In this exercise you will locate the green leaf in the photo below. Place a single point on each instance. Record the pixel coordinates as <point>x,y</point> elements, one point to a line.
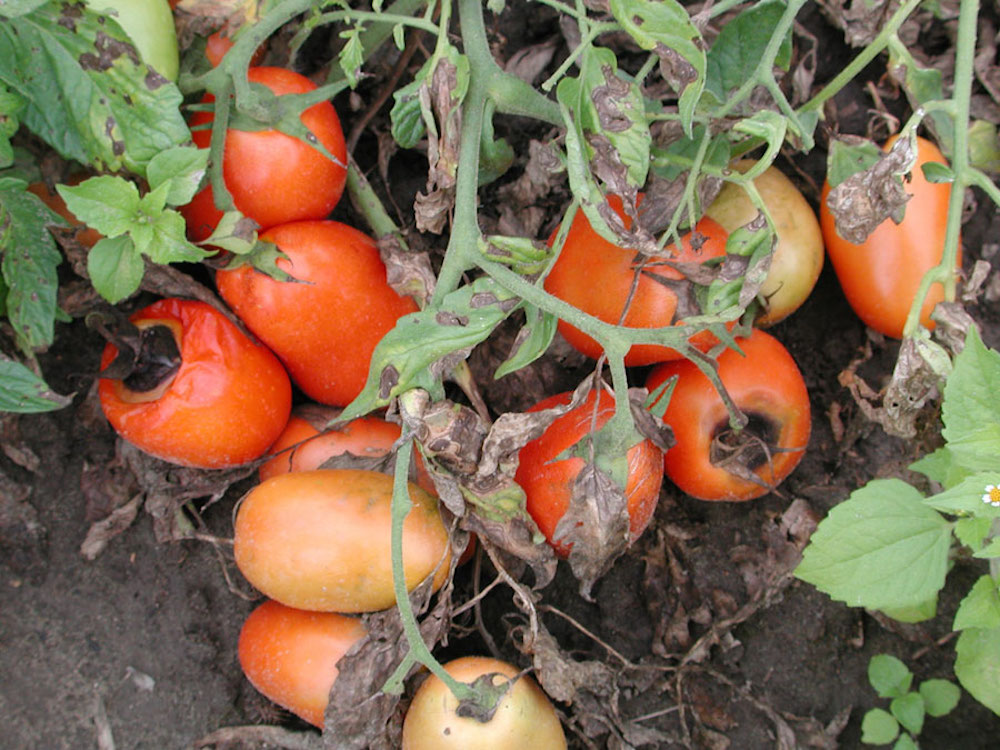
<point>665,28</point>
<point>981,606</point>
<point>28,262</point>
<point>889,676</point>
<point>905,742</point>
<point>977,665</point>
<point>406,118</point>
<point>183,168</point>
<point>845,160</point>
<point>909,711</point>
<point>940,696</point>
<point>878,727</point>
<point>937,173</point>
<point>881,548</point>
<point>15,8</point>
<point>495,155</point>
<point>115,268</point>
<point>921,86</point>
<point>972,531</point>
<point>971,411</point>
<point>984,146</point>
<point>991,550</point>
<point>108,204</point>
<point>23,392</point>
<point>916,613</point>
<point>532,340</point>
<point>168,243</point>
<point>967,496</point>
<point>352,54</point>
<point>153,202</point>
<point>941,466</point>
<point>88,94</point>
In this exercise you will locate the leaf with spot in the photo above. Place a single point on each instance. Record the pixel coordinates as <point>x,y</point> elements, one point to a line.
<point>88,94</point>
<point>23,392</point>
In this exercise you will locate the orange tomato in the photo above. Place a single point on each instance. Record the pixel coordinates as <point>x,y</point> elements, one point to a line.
<point>320,540</point>
<point>291,655</point>
<point>880,277</point>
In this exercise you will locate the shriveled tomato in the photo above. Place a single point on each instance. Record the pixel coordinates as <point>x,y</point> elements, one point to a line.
<point>291,655</point>
<point>880,276</point>
<point>84,235</point>
<point>710,461</point>
<point>320,540</point>
<point>524,717</point>
<point>798,256</point>
<point>548,482</point>
<point>326,328</point>
<point>274,178</point>
<point>597,277</point>
<point>202,393</point>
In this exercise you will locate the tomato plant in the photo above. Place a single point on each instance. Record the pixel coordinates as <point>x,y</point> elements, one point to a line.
<point>274,178</point>
<point>84,235</point>
<point>290,655</point>
<point>200,393</point>
<point>587,258</point>
<point>548,480</point>
<point>325,328</point>
<point>798,255</point>
<point>150,24</point>
<point>524,717</point>
<point>710,460</point>
<point>880,277</point>
<point>320,540</point>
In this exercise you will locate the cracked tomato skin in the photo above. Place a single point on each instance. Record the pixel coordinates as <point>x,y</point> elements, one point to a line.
<point>596,277</point>
<point>320,540</point>
<point>548,483</point>
<point>524,718</point>
<point>291,655</point>
<point>226,404</point>
<point>274,178</point>
<point>880,276</point>
<point>767,387</point>
<point>324,330</point>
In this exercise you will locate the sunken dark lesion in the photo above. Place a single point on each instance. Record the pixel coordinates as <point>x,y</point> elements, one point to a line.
<point>158,360</point>
<point>752,447</point>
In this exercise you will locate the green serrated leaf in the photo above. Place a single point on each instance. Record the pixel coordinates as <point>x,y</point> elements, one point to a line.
<point>916,613</point>
<point>878,727</point>
<point>235,233</point>
<point>971,495</point>
<point>115,268</point>
<point>905,742</point>
<point>921,86</point>
<point>937,173</point>
<point>981,606</point>
<point>972,531</point>
<point>153,202</point>
<point>108,204</point>
<point>532,341</point>
<point>406,118</point>
<point>977,665</point>
<point>352,54</point>
<point>23,392</point>
<point>889,676</point>
<point>941,466</point>
<point>971,411</point>
<point>991,550</point>
<point>984,146</point>
<point>881,548</point>
<point>909,711</point>
<point>169,244</point>
<point>940,696</point>
<point>845,160</point>
<point>183,168</point>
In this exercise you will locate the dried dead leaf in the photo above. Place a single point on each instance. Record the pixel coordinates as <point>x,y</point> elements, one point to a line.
<point>860,20</point>
<point>408,273</point>
<point>102,532</point>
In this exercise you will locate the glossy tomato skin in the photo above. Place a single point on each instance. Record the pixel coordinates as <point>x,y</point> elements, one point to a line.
<point>324,330</point>
<point>320,540</point>
<point>596,277</point>
<point>219,43</point>
<point>274,178</point>
<point>548,483</point>
<point>880,277</point>
<point>524,719</point>
<point>798,256</point>
<point>226,404</point>
<point>767,387</point>
<point>291,655</point>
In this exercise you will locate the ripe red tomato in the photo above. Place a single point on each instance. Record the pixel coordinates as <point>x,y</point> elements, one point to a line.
<point>291,655</point>
<point>219,43</point>
<point>596,277</point>
<point>274,178</point>
<point>524,717</point>
<point>224,405</point>
<point>880,277</point>
<point>325,329</point>
<point>320,540</point>
<point>548,482</point>
<point>768,388</point>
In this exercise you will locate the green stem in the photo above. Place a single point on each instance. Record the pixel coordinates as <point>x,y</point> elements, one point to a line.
<point>367,201</point>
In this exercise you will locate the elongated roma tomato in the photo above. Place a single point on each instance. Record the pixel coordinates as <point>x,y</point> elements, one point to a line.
<point>320,540</point>
<point>798,256</point>
<point>201,393</point>
<point>325,328</point>
<point>548,481</point>
<point>274,178</point>
<point>291,655</point>
<point>524,718</point>
<point>880,276</point>
<point>597,277</point>
<point>710,461</point>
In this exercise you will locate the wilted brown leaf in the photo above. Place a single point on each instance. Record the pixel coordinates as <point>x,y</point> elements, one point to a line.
<point>861,20</point>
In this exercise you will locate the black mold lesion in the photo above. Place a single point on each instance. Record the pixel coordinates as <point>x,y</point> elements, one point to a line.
<point>108,49</point>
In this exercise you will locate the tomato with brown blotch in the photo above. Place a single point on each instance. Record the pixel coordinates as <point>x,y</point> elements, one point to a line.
<point>201,394</point>
<point>711,461</point>
<point>524,717</point>
<point>548,482</point>
<point>274,178</point>
<point>880,276</point>
<point>798,255</point>
<point>325,328</point>
<point>320,540</point>
<point>291,655</point>
<point>597,277</point>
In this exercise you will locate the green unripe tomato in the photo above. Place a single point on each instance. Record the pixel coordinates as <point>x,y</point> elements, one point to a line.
<point>150,24</point>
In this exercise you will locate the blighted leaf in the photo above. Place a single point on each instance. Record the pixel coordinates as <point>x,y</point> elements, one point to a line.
<point>921,86</point>
<point>408,273</point>
<point>861,20</point>
<point>24,392</point>
<point>532,340</point>
<point>102,532</point>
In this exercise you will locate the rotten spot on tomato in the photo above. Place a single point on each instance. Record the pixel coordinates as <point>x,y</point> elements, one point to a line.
<point>159,359</point>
